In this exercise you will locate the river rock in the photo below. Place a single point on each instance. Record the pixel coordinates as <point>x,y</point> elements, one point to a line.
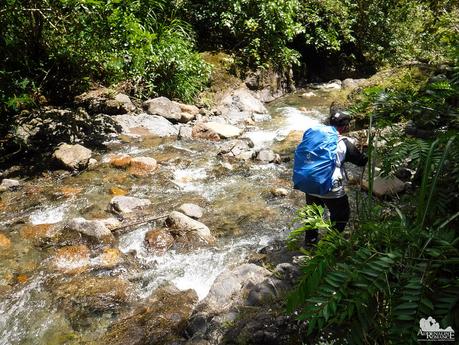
<point>185,132</point>
<point>181,224</point>
<point>161,319</point>
<point>243,100</point>
<point>231,286</point>
<point>121,161</point>
<point>238,149</point>
<point>5,242</point>
<point>109,259</point>
<point>82,296</point>
<point>101,100</point>
<point>201,131</point>
<point>126,204</point>
<point>159,240</point>
<point>188,112</point>
<point>9,184</point>
<point>385,186</point>
<point>39,231</point>
<point>223,130</point>
<point>330,86</point>
<point>280,192</point>
<point>191,210</point>
<point>91,228</point>
<point>71,259</point>
<point>144,163</point>
<point>308,94</point>
<point>145,124</point>
<point>267,156</point>
<point>163,106</point>
<point>350,83</point>
<point>73,157</point>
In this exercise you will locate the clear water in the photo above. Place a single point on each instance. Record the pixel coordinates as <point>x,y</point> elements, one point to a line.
<point>238,208</point>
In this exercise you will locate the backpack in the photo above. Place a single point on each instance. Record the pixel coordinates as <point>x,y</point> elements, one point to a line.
<point>315,160</point>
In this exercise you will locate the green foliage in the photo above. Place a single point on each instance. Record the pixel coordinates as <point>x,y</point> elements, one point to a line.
<point>257,30</point>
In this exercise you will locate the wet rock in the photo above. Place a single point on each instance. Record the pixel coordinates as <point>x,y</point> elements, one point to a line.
<point>109,259</point>
<point>159,240</point>
<point>160,320</point>
<point>238,149</point>
<point>224,131</point>
<point>121,161</point>
<point>83,296</point>
<point>5,242</point>
<point>180,224</point>
<point>185,132</point>
<point>267,291</point>
<point>162,106</point>
<point>191,210</point>
<point>385,186</point>
<point>8,184</point>
<point>330,86</point>
<point>71,259</point>
<point>201,131</point>
<point>145,124</point>
<point>37,232</point>
<point>73,157</point>
<point>142,166</point>
<point>279,192</point>
<point>91,228</point>
<point>231,286</point>
<point>288,144</point>
<point>118,191</point>
<point>261,117</point>
<point>126,204</point>
<point>267,156</point>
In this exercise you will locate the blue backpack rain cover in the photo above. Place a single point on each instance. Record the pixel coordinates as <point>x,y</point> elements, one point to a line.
<point>315,160</point>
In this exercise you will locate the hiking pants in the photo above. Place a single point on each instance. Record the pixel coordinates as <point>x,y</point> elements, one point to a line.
<point>339,213</point>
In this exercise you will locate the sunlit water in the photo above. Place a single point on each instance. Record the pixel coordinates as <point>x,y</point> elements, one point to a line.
<point>239,210</point>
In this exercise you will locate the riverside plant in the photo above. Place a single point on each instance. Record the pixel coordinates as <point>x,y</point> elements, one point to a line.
<point>394,269</point>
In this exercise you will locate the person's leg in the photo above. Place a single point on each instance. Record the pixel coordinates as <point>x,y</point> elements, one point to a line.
<point>339,211</point>
<point>311,236</point>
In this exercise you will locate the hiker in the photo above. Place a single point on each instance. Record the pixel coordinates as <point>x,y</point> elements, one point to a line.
<point>333,196</point>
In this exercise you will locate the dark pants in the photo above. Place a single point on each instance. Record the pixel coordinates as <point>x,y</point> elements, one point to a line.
<point>339,214</point>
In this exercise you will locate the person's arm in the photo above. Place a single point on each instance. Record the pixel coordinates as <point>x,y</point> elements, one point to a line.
<point>353,154</point>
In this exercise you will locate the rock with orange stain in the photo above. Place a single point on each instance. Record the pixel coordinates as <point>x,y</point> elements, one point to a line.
<point>33,232</point>
<point>118,191</point>
<point>110,258</point>
<point>70,191</point>
<point>5,242</point>
<point>22,278</point>
<point>2,206</point>
<point>159,240</point>
<point>121,161</point>
<point>71,259</point>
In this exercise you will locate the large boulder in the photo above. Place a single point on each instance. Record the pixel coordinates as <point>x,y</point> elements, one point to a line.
<point>161,319</point>
<point>230,288</point>
<point>240,105</point>
<point>145,124</point>
<point>163,106</point>
<point>127,204</point>
<point>73,157</point>
<point>182,225</point>
<point>91,228</point>
<point>104,101</point>
<point>82,296</point>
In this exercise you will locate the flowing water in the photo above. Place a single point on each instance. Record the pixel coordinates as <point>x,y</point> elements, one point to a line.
<point>238,208</point>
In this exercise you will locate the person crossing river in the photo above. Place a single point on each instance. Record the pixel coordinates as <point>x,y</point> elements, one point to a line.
<point>319,169</point>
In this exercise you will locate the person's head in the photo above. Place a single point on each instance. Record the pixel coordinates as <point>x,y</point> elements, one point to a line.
<point>340,120</point>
